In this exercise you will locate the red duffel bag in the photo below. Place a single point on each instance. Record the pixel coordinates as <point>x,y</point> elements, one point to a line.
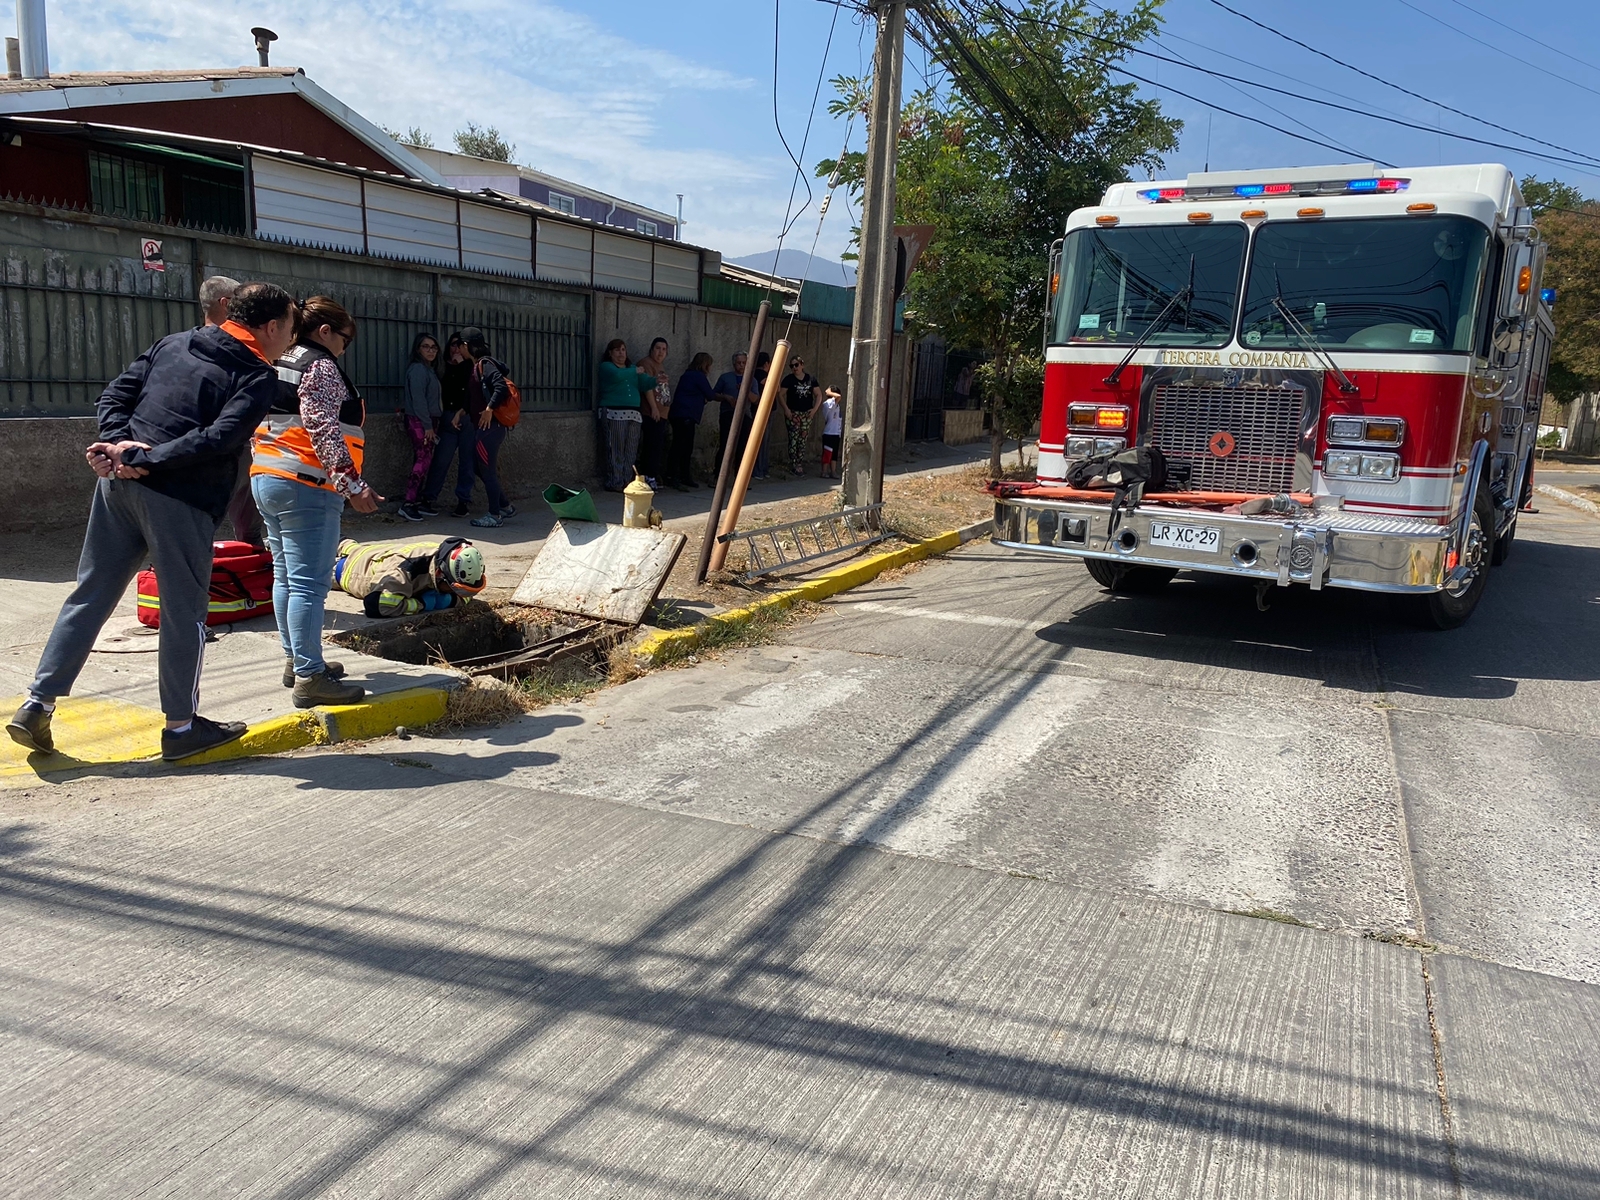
<point>241,586</point>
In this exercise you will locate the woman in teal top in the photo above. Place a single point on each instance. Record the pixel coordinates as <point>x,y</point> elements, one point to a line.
<point>622,388</point>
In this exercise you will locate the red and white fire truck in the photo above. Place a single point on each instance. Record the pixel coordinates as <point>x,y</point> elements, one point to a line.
<point>1342,367</point>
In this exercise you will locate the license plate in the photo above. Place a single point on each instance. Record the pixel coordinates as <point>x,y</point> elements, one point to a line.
<point>1203,538</point>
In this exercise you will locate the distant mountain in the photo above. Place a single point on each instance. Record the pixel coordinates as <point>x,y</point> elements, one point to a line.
<point>797,264</point>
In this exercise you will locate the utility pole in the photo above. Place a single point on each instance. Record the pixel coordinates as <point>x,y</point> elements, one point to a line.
<point>872,328</point>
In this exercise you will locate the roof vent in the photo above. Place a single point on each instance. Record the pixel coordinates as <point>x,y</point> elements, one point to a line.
<point>264,39</point>
<point>13,59</point>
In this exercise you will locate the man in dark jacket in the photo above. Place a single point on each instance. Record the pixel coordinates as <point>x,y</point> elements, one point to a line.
<point>171,426</point>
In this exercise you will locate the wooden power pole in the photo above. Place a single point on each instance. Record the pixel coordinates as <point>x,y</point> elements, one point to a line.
<point>872,328</point>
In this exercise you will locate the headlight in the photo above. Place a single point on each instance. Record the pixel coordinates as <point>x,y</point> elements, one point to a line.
<point>1342,464</point>
<point>1366,431</point>
<point>1080,447</point>
<point>1382,467</point>
<point>1109,445</point>
<point>1352,464</point>
<point>1345,429</point>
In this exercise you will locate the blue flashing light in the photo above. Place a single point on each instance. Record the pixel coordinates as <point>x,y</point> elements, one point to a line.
<point>1249,189</point>
<point>1152,194</point>
<point>1548,295</point>
<point>1363,185</point>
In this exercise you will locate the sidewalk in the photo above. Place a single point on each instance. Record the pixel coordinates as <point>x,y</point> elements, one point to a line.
<point>115,715</point>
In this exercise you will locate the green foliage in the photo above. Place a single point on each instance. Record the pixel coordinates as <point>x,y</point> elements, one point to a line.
<point>997,189</point>
<point>484,142</point>
<point>417,137</point>
<point>1570,225</point>
<point>1011,389</point>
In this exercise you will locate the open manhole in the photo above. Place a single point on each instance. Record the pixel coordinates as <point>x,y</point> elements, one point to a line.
<point>508,641</point>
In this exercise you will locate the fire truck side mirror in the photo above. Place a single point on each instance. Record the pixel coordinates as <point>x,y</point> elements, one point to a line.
<point>1508,333</point>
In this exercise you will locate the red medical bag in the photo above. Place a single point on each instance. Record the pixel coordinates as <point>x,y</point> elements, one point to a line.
<point>241,586</point>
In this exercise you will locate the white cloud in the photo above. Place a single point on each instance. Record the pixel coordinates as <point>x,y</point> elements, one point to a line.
<point>577,99</point>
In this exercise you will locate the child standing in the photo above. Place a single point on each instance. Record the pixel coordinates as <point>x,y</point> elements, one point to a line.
<point>832,432</point>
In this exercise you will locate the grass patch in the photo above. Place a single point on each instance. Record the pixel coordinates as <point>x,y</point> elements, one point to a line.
<point>489,701</point>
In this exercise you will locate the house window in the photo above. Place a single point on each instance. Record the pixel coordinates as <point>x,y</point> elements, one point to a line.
<point>648,228</point>
<point>561,203</point>
<point>126,187</point>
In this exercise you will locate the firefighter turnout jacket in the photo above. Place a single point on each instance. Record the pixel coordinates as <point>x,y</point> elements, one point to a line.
<point>398,578</point>
<point>282,444</point>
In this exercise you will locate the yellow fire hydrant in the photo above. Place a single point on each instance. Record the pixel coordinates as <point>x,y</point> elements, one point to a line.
<point>636,498</point>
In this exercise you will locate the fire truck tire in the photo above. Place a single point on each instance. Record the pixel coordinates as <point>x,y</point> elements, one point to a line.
<point>1128,581</point>
<point>1446,610</point>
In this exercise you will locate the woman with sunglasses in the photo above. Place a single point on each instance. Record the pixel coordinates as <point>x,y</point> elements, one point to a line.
<point>798,393</point>
<point>305,463</point>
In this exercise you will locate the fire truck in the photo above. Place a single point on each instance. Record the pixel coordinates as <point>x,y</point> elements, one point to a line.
<point>1342,368</point>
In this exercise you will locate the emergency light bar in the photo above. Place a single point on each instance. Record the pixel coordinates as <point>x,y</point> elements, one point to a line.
<point>1245,191</point>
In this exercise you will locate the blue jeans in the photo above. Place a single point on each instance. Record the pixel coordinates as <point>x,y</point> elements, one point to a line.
<point>452,445</point>
<point>484,461</point>
<point>303,534</point>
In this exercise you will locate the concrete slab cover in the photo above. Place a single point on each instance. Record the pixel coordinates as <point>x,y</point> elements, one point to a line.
<point>606,572</point>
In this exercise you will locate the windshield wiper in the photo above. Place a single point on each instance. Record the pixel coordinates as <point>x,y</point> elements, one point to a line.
<point>1182,294</point>
<point>1346,384</point>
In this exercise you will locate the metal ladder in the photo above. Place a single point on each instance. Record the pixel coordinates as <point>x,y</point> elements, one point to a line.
<point>778,547</point>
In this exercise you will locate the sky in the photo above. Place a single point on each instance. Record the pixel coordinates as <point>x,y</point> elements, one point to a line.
<point>647,100</point>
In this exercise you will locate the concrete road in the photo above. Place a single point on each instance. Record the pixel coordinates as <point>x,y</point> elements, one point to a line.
<point>981,883</point>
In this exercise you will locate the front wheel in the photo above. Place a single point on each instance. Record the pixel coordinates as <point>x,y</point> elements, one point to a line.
<point>1450,608</point>
<point>1129,581</point>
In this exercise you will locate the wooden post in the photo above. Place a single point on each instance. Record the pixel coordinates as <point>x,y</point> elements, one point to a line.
<point>752,450</point>
<point>710,541</point>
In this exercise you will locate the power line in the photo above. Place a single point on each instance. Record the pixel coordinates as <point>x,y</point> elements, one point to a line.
<point>1582,62</point>
<point>1498,49</point>
<point>1390,84</point>
<point>799,170</point>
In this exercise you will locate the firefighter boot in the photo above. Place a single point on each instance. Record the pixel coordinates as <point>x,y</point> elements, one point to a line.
<point>312,690</point>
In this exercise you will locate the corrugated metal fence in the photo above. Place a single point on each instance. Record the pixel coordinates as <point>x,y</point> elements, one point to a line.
<point>79,304</point>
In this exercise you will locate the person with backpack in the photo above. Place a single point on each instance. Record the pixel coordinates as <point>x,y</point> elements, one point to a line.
<point>420,411</point>
<point>171,427</point>
<point>451,444</point>
<point>306,464</point>
<point>493,407</point>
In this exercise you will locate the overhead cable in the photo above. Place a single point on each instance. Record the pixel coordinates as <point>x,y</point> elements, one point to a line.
<point>1497,49</point>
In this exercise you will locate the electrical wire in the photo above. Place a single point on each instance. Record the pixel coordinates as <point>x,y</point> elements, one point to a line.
<point>1390,84</point>
<point>799,170</point>
<point>1582,62</point>
<point>822,215</point>
<point>1498,49</point>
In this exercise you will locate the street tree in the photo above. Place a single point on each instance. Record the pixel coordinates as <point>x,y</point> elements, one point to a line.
<point>1570,224</point>
<point>1027,122</point>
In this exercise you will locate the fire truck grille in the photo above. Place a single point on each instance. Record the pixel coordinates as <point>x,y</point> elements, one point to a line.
<point>1235,439</point>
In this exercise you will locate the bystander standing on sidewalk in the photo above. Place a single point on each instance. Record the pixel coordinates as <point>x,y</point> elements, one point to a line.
<point>727,392</point>
<point>307,461</point>
<point>689,402</point>
<point>487,390</point>
<point>832,432</point>
<point>654,409</point>
<point>241,517</point>
<point>453,444</point>
<point>797,394</point>
<point>622,393</point>
<point>420,410</point>
<point>170,430</point>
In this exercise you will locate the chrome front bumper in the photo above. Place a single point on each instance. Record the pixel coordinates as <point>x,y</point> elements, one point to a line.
<point>1321,549</point>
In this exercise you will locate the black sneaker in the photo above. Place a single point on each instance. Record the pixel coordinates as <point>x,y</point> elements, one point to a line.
<point>203,734</point>
<point>408,512</point>
<point>426,509</point>
<point>333,670</point>
<point>461,509</point>
<point>30,728</point>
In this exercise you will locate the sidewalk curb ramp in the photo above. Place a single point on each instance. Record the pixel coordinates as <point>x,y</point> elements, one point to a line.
<point>1569,498</point>
<point>670,643</point>
<point>377,717</point>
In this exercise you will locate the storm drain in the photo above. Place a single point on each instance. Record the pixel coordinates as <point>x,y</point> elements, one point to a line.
<point>507,642</point>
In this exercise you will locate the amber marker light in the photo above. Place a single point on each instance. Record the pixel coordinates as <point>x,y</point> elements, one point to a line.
<point>1198,217</point>
<point>1310,213</point>
<point>1107,220</point>
<point>1422,208</point>
<point>1524,280</point>
<point>1253,214</point>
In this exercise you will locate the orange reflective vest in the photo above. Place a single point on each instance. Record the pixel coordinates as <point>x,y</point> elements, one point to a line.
<point>282,444</point>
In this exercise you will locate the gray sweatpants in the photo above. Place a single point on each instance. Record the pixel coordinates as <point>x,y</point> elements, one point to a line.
<point>129,522</point>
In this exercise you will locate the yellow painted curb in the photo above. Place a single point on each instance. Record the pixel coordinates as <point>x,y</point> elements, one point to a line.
<point>276,735</point>
<point>665,642</point>
<point>382,715</point>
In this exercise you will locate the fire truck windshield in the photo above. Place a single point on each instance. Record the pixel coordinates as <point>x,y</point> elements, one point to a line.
<point>1379,283</point>
<point>1115,283</point>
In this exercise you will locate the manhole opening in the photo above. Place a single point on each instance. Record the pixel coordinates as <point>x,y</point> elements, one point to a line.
<point>508,641</point>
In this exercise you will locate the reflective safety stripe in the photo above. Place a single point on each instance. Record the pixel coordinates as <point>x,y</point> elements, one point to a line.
<point>282,447</point>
